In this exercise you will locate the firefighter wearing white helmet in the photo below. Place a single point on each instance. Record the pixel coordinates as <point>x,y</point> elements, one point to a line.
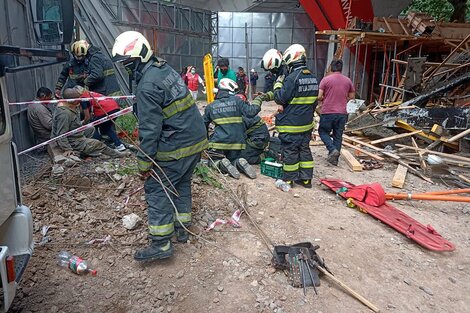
<point>296,96</point>
<point>226,113</point>
<point>90,68</point>
<point>171,134</point>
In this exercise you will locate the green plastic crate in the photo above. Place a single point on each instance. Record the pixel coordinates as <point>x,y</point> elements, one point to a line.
<point>271,168</point>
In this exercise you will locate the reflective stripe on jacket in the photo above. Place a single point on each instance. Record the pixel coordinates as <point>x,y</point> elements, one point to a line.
<point>170,125</point>
<point>298,95</point>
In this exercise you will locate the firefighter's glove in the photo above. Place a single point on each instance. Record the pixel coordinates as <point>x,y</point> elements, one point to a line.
<point>257,101</point>
<point>279,82</point>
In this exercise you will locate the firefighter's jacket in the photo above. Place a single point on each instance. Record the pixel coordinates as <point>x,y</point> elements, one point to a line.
<point>227,113</point>
<point>75,72</point>
<point>170,125</point>
<point>101,77</point>
<point>298,95</point>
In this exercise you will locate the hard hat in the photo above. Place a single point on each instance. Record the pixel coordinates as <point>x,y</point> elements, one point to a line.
<point>294,53</point>
<point>228,84</point>
<point>80,48</point>
<point>131,44</point>
<point>252,70</point>
<point>272,59</point>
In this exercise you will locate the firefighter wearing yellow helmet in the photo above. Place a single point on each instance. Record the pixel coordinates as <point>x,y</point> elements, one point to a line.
<point>89,67</point>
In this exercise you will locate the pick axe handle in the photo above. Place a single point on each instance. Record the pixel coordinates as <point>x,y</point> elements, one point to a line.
<point>348,289</point>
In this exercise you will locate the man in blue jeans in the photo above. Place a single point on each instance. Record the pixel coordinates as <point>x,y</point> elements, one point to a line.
<point>335,91</point>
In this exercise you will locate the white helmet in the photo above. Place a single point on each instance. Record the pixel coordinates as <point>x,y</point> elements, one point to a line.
<point>80,48</point>
<point>272,59</point>
<point>132,44</point>
<point>294,53</point>
<point>228,84</point>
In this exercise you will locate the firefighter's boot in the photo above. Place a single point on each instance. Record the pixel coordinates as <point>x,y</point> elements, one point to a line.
<point>157,250</point>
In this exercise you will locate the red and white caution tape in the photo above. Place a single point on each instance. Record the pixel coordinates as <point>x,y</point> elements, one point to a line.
<point>73,100</point>
<point>81,128</point>
<point>234,221</point>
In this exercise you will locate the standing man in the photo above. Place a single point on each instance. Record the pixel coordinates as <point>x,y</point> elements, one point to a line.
<point>253,79</point>
<point>296,96</point>
<point>194,80</point>
<point>171,133</point>
<point>242,81</point>
<point>224,70</point>
<point>335,91</point>
<point>40,116</point>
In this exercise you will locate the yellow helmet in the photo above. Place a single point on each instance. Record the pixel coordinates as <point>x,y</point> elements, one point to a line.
<point>80,49</point>
<point>132,44</point>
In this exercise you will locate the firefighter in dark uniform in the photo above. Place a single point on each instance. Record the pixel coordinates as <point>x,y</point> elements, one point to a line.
<point>74,71</point>
<point>89,68</point>
<point>257,134</point>
<point>296,96</point>
<point>228,139</point>
<point>171,133</point>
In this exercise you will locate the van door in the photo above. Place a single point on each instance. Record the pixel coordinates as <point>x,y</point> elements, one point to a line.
<point>8,198</point>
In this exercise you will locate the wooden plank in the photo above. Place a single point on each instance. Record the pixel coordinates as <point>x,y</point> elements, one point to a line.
<point>422,162</point>
<point>446,155</point>
<point>351,160</point>
<point>395,137</point>
<point>399,178</point>
<point>372,155</point>
<point>403,27</point>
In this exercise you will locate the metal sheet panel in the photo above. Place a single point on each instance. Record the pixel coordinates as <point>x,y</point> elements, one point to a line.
<point>261,20</point>
<point>225,34</point>
<point>280,20</point>
<point>239,19</point>
<point>261,35</point>
<point>225,19</point>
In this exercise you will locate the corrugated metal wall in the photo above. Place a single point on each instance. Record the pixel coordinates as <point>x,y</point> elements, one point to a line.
<point>266,31</point>
<point>16,29</point>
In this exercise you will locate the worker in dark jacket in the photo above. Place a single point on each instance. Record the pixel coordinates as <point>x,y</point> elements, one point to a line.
<point>101,77</point>
<point>296,96</point>
<point>89,68</point>
<point>228,139</point>
<point>257,133</point>
<point>74,71</point>
<point>171,134</point>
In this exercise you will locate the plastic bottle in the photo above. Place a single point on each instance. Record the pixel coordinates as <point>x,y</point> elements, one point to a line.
<point>282,185</point>
<point>74,263</point>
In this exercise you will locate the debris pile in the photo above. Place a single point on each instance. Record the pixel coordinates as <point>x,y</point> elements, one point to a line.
<point>414,75</point>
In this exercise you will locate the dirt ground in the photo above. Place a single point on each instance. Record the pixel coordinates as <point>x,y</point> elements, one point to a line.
<point>234,273</point>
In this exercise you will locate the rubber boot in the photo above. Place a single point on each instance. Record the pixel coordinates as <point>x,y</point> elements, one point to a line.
<point>304,183</point>
<point>181,235</point>
<point>226,167</point>
<point>244,167</point>
<point>333,157</point>
<point>157,250</point>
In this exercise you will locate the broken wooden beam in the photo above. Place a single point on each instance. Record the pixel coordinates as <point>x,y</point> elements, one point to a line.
<point>399,136</point>
<point>352,162</point>
<point>372,155</point>
<point>399,178</point>
<point>422,162</point>
<point>447,155</point>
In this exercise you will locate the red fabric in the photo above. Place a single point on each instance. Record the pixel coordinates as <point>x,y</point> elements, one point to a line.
<point>193,81</point>
<point>336,88</point>
<point>100,108</point>
<point>371,194</point>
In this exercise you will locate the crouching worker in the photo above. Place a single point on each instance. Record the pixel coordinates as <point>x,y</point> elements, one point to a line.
<point>101,108</point>
<point>257,134</point>
<point>228,139</point>
<point>66,118</point>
